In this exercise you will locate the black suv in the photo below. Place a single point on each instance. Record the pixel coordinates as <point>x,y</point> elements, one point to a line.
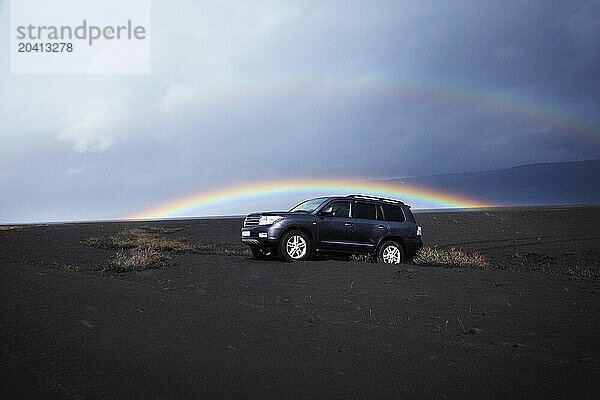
<point>352,224</point>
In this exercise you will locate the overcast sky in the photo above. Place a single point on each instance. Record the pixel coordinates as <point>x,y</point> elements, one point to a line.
<point>256,90</point>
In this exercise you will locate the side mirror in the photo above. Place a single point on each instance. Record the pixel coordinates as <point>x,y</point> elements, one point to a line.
<point>327,211</point>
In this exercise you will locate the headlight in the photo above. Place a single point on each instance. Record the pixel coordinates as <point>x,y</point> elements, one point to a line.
<point>269,219</point>
<point>418,231</point>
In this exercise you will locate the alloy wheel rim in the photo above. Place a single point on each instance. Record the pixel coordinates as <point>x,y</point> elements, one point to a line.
<point>392,255</point>
<point>296,247</point>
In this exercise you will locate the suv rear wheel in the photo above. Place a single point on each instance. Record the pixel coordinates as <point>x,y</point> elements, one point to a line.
<point>294,246</point>
<point>390,252</point>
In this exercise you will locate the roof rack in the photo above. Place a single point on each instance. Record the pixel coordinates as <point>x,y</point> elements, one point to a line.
<point>367,197</point>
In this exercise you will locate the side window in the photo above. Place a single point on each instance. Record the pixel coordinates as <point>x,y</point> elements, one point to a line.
<point>393,213</point>
<point>341,209</point>
<point>365,210</point>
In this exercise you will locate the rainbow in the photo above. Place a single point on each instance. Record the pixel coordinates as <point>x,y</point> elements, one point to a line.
<point>183,206</point>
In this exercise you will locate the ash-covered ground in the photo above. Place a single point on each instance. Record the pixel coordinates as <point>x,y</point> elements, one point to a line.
<point>79,320</point>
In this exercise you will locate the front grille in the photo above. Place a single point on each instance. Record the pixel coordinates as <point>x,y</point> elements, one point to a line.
<point>251,220</point>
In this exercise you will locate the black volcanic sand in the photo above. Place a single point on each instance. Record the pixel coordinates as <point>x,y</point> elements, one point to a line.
<point>215,325</point>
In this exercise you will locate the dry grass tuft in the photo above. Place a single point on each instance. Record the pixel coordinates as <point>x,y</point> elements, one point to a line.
<point>160,229</point>
<point>136,260</point>
<point>139,249</point>
<point>10,227</point>
<point>140,238</point>
<point>451,258</point>
<point>150,238</point>
<point>362,257</point>
<point>583,272</point>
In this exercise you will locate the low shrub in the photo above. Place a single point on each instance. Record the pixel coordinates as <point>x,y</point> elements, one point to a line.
<point>10,227</point>
<point>149,238</point>
<point>139,238</point>
<point>583,272</point>
<point>450,258</point>
<point>138,259</point>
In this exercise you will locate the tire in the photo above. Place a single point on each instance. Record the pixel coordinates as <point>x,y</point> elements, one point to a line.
<point>262,253</point>
<point>390,252</point>
<point>294,246</point>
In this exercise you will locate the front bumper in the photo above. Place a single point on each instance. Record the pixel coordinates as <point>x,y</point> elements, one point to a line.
<point>265,235</point>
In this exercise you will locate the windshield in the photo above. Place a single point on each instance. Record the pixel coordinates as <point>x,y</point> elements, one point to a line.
<point>309,205</point>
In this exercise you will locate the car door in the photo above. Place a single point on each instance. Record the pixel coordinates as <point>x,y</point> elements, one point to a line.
<point>396,219</point>
<point>367,229</point>
<point>335,231</point>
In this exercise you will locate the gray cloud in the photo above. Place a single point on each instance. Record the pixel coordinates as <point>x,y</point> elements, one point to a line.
<point>265,90</point>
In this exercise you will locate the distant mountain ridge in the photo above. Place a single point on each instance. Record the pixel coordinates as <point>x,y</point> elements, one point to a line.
<point>559,183</point>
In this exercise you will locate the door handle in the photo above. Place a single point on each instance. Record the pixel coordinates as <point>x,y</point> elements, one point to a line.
<point>348,224</point>
<point>382,227</point>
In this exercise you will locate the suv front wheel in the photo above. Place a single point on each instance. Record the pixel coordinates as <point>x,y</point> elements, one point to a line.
<point>390,252</point>
<point>294,246</point>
